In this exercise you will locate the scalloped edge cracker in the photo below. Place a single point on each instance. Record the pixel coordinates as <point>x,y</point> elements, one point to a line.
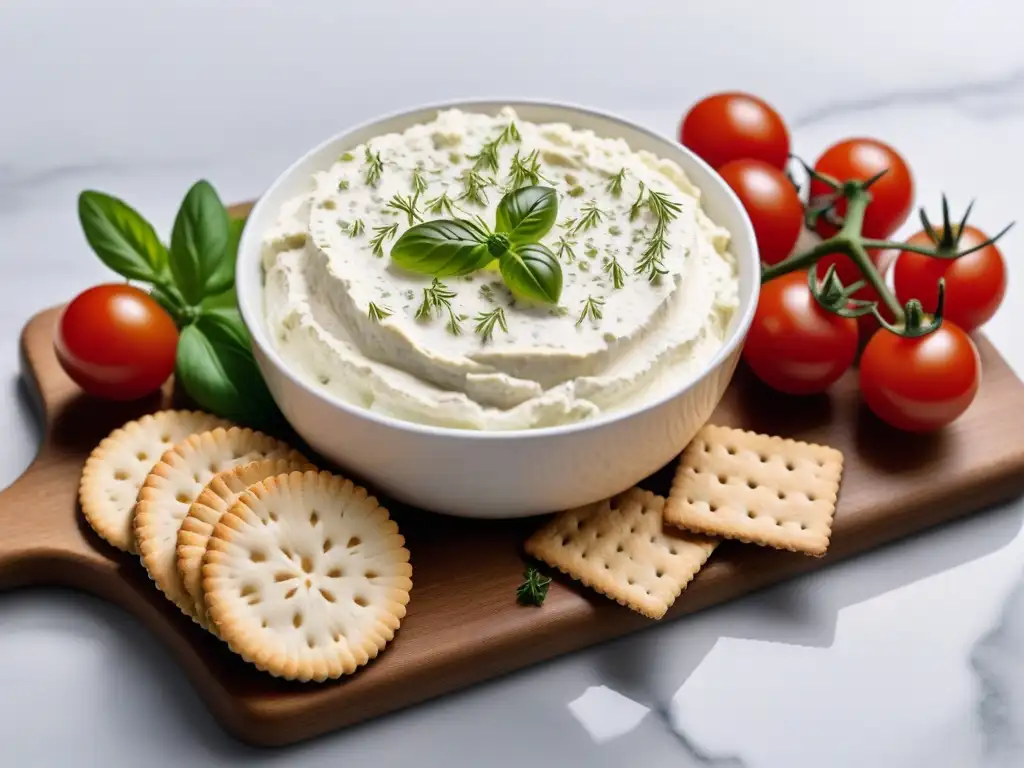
<point>117,467</point>
<point>307,576</point>
<point>206,511</point>
<point>175,482</point>
<point>620,548</point>
<point>758,489</point>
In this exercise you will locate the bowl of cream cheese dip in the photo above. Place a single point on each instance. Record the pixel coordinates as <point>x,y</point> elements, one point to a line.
<point>498,309</point>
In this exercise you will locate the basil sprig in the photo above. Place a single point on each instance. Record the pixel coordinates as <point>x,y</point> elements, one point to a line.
<point>457,247</point>
<point>194,280</point>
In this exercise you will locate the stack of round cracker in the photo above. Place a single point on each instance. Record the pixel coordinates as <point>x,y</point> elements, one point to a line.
<point>300,572</point>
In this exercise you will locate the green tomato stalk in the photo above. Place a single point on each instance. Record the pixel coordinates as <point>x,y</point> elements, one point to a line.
<point>910,319</point>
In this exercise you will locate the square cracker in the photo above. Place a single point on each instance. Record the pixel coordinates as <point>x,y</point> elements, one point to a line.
<point>619,548</point>
<point>756,488</point>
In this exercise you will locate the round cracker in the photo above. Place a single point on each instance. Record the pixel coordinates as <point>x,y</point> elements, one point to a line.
<point>118,466</point>
<point>175,482</point>
<point>307,576</point>
<point>214,500</point>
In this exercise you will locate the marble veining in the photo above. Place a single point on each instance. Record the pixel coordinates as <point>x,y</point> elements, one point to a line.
<point>909,656</point>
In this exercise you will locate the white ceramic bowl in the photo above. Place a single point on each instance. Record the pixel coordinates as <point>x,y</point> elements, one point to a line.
<point>499,474</point>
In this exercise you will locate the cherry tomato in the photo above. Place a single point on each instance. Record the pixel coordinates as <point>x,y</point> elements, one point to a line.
<point>116,342</point>
<point>920,384</point>
<point>732,126</point>
<point>772,203</point>
<point>892,196</point>
<point>975,283</point>
<point>794,344</point>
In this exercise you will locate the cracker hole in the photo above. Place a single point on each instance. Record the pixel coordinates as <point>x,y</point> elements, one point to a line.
<point>182,498</point>
<point>334,573</point>
<point>165,437</point>
<point>361,601</point>
<point>653,538</point>
<point>273,516</point>
<point>264,624</point>
<point>327,545</point>
<point>195,478</point>
<point>257,557</point>
<point>731,450</point>
<point>790,466</point>
<point>291,593</point>
<point>712,507</point>
<point>214,467</point>
<point>311,642</point>
<point>120,475</point>
<point>141,456</point>
<point>254,600</point>
<point>337,637</point>
<point>779,523</point>
<point>283,576</point>
<point>812,497</point>
<point>763,458</point>
<point>752,484</point>
<point>672,551</point>
<point>286,552</point>
<point>659,573</point>
<point>619,548</point>
<point>723,479</point>
<point>630,581</point>
<point>327,595</point>
<point>803,526</point>
<point>248,589</point>
<point>307,564</point>
<point>309,583</point>
<point>751,514</point>
<point>371,574</point>
<point>314,518</point>
<point>354,541</point>
<point>782,494</point>
<point>297,620</point>
<point>607,567</point>
<point>565,540</point>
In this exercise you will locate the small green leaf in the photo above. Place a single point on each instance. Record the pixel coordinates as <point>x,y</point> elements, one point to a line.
<point>200,241</point>
<point>527,214</point>
<point>531,270</point>
<point>442,248</point>
<point>123,240</point>
<point>216,367</point>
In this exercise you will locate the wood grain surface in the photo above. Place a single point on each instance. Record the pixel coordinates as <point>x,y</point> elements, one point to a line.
<point>463,624</point>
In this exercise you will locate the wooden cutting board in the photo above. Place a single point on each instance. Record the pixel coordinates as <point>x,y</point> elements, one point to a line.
<point>463,624</point>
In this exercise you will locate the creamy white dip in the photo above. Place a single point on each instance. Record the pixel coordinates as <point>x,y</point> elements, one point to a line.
<point>555,364</point>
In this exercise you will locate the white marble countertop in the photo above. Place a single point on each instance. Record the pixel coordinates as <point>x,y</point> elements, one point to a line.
<point>909,656</point>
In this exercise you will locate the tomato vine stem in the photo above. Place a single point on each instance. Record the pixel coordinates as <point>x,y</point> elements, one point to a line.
<point>850,242</point>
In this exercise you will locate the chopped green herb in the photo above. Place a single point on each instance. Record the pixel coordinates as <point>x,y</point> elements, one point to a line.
<point>614,229</point>
<point>510,134</point>
<point>455,158</point>
<point>615,183</point>
<point>407,206</point>
<point>409,295</point>
<point>374,167</point>
<point>487,158</point>
<point>343,185</point>
<point>419,184</point>
<point>590,250</point>
<point>473,185</point>
<point>590,217</point>
<point>618,274</point>
<point>440,205</point>
<point>525,170</point>
<point>355,229</point>
<point>436,300</point>
<point>638,205</point>
<point>576,192</point>
<point>565,245</point>
<point>487,293</point>
<point>571,179</point>
<point>559,311</point>
<point>568,223</point>
<point>346,157</point>
<point>486,322</point>
<point>591,309</point>
<point>380,235</point>
<point>583,266</point>
<point>534,588</point>
<point>378,313</point>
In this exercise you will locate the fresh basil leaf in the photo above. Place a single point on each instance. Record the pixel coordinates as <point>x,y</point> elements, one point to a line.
<point>442,247</point>
<point>531,270</point>
<point>527,214</point>
<point>199,244</point>
<point>228,298</point>
<point>216,368</point>
<point>123,240</point>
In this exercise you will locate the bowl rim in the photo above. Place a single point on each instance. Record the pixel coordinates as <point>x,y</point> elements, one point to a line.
<point>250,308</point>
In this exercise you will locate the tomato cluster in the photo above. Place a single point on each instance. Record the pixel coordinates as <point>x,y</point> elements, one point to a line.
<point>797,345</point>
